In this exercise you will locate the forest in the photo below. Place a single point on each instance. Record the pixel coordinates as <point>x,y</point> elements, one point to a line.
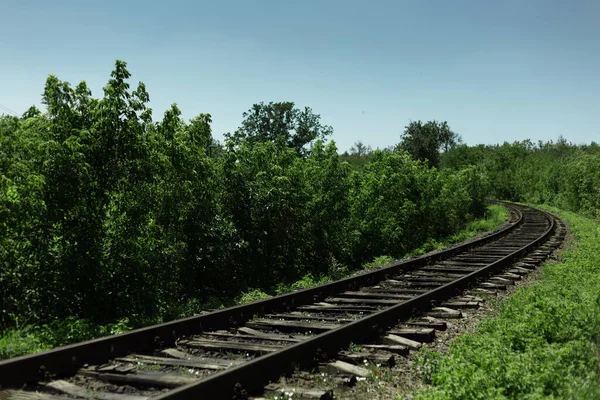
<point>108,215</point>
<point>558,173</point>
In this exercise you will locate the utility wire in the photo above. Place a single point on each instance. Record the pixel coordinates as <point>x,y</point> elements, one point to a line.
<point>8,110</point>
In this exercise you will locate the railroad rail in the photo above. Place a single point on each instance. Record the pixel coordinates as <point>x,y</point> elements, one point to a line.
<point>234,352</point>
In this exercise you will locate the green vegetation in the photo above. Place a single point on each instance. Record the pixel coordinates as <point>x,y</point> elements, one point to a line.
<point>543,344</point>
<point>253,295</point>
<point>354,347</point>
<point>106,214</point>
<point>110,221</point>
<point>495,216</point>
<point>378,262</point>
<point>33,338</point>
<point>560,174</point>
<point>425,140</point>
<point>281,122</point>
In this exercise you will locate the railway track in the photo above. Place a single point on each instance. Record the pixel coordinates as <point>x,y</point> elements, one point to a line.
<point>234,352</point>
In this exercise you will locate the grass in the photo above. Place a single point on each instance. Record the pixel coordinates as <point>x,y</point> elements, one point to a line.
<point>32,339</point>
<point>16,342</point>
<point>543,344</point>
<point>149,367</point>
<point>36,338</point>
<point>355,347</point>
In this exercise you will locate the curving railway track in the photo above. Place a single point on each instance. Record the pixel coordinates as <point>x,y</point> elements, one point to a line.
<point>234,352</point>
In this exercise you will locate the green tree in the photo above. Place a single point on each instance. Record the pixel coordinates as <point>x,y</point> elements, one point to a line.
<point>360,149</point>
<point>24,241</point>
<point>281,122</point>
<point>265,197</point>
<point>359,155</point>
<point>326,226</point>
<point>105,214</point>
<point>31,112</point>
<point>425,141</point>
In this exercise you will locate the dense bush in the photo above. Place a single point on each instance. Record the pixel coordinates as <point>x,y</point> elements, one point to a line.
<point>105,214</point>
<point>399,203</point>
<point>560,174</point>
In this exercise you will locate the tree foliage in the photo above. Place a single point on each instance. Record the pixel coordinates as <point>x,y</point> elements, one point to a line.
<point>105,213</point>
<point>281,122</point>
<point>424,141</point>
<point>358,155</point>
<point>557,173</point>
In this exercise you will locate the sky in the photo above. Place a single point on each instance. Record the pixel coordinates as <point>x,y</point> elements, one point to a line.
<point>495,70</point>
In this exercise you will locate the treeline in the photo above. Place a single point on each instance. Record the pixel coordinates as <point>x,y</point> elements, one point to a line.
<point>558,173</point>
<point>425,142</point>
<point>106,214</point>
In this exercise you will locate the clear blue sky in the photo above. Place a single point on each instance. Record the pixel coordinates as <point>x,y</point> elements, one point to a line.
<point>495,70</point>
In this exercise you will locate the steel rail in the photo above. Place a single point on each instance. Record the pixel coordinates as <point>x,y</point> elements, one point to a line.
<point>68,359</point>
<point>254,374</point>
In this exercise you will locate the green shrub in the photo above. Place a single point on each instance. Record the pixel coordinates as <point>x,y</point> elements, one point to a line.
<point>559,174</point>
<point>32,339</point>
<point>379,262</point>
<point>105,214</point>
<point>16,342</point>
<point>253,295</point>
